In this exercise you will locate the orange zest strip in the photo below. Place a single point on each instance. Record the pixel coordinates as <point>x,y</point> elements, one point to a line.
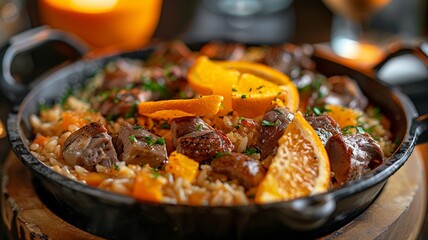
<point>205,105</point>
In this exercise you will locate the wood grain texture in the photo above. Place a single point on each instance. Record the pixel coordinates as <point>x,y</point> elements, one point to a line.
<point>398,212</point>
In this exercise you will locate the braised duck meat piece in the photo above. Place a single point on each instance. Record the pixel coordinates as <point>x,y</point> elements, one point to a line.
<point>324,126</point>
<point>196,139</point>
<point>89,146</point>
<point>289,58</point>
<point>172,52</point>
<point>342,91</point>
<point>274,123</point>
<point>223,51</point>
<point>249,172</point>
<point>351,156</point>
<point>122,102</point>
<point>122,74</point>
<point>136,145</point>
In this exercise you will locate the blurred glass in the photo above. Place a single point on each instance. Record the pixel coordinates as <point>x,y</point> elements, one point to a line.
<point>247,7</point>
<point>13,19</point>
<point>362,30</point>
<point>106,24</point>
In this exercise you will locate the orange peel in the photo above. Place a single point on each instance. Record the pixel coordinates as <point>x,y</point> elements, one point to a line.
<point>168,109</point>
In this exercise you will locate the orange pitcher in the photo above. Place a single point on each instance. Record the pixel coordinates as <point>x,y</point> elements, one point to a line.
<point>104,24</point>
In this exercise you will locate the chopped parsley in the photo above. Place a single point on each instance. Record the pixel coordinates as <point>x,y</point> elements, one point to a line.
<point>278,111</point>
<point>132,111</point>
<point>250,151</point>
<point>136,127</point>
<point>116,166</point>
<point>243,96</point>
<point>270,123</point>
<point>153,86</point>
<point>132,138</point>
<point>151,141</point>
<point>165,126</point>
<point>155,173</point>
<point>318,111</point>
<point>347,129</point>
<point>199,127</point>
<point>221,154</point>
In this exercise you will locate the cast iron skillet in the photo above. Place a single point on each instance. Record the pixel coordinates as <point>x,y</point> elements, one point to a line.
<point>116,216</point>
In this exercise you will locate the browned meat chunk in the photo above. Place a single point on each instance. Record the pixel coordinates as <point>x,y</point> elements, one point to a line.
<point>324,126</point>
<point>342,91</point>
<point>351,156</point>
<point>89,146</point>
<point>197,140</point>
<point>172,52</point>
<point>122,102</point>
<point>249,172</point>
<point>223,51</point>
<point>289,58</point>
<point>121,74</point>
<point>273,127</point>
<point>136,145</point>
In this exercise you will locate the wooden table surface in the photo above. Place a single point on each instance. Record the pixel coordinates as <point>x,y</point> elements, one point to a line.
<point>398,213</point>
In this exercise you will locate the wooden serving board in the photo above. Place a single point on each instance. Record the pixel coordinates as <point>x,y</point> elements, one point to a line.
<point>398,213</point>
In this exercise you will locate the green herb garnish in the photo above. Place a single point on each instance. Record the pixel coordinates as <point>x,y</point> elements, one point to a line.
<point>221,154</point>
<point>151,141</point>
<point>250,151</point>
<point>270,123</point>
<point>153,86</point>
<point>116,166</point>
<point>136,127</point>
<point>132,138</point>
<point>243,96</point>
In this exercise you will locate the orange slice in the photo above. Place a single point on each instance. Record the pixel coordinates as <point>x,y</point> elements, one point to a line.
<point>288,91</point>
<point>207,77</point>
<point>300,167</point>
<point>167,109</point>
<point>344,116</point>
<point>252,86</point>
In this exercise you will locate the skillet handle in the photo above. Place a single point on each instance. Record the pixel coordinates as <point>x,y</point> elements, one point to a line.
<point>420,125</point>
<point>412,67</point>
<point>27,41</point>
<point>308,214</point>
<point>420,51</point>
